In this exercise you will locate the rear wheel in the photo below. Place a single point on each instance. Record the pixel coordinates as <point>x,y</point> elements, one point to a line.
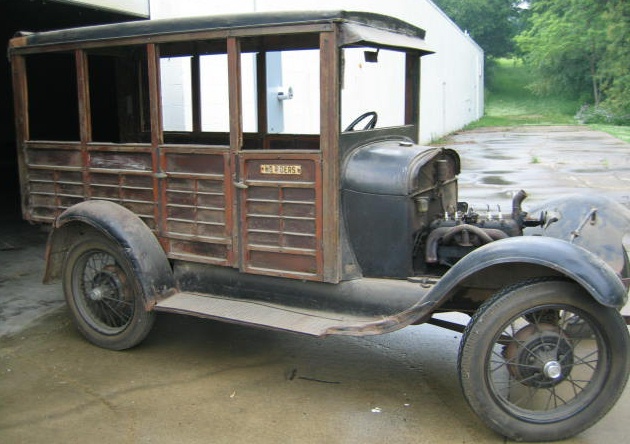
<point>542,360</point>
<point>104,295</point>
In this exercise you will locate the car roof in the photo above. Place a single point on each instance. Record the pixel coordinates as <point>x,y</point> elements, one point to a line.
<point>380,30</point>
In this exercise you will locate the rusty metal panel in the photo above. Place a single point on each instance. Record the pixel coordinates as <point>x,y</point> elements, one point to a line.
<point>281,214</point>
<point>197,209</point>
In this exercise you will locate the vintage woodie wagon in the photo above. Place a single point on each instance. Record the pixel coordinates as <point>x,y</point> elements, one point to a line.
<point>180,173</point>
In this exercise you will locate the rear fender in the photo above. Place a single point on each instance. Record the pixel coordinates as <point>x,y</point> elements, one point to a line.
<point>147,258</point>
<point>511,259</point>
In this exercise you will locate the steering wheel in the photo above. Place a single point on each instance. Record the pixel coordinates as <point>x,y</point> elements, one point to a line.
<point>371,123</point>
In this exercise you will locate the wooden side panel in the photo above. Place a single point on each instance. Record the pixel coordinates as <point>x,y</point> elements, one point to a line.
<point>57,178</point>
<point>281,215</point>
<point>123,174</point>
<point>198,203</point>
<point>53,179</point>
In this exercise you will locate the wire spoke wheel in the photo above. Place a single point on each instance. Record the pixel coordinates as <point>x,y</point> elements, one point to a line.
<point>542,360</point>
<point>540,367</point>
<point>104,297</point>
<point>103,294</point>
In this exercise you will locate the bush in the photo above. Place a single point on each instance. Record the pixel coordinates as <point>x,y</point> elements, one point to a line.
<point>600,114</point>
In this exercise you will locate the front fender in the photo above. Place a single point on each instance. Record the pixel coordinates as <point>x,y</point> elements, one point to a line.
<point>558,256</point>
<point>594,222</point>
<point>137,242</point>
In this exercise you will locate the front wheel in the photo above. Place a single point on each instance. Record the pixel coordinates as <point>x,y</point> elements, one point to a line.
<point>542,360</point>
<point>103,294</point>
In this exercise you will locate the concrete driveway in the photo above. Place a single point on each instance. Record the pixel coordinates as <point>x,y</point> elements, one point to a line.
<point>546,162</point>
<point>200,381</point>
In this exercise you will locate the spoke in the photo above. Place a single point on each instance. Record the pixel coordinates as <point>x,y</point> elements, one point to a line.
<point>577,389</point>
<point>111,309</point>
<point>526,399</point>
<point>536,317</point>
<point>116,300</point>
<point>512,380</point>
<point>499,366</point>
<point>531,352</point>
<point>115,311</point>
<point>110,314</point>
<point>501,362</point>
<point>592,364</point>
<point>557,397</point>
<point>549,399</point>
<point>535,367</point>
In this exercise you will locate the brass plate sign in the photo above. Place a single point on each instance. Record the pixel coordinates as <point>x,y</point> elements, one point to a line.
<point>281,169</point>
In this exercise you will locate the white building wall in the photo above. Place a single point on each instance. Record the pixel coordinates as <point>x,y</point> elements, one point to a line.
<point>452,82</point>
<point>134,7</point>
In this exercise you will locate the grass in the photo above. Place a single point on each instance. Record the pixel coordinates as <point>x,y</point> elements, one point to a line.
<point>510,103</point>
<point>620,132</point>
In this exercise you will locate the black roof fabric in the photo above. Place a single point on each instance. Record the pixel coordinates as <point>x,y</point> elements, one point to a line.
<point>146,28</point>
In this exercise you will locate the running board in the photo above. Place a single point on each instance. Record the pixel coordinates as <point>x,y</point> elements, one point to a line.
<point>277,317</point>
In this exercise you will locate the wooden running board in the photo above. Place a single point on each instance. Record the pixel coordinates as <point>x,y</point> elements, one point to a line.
<point>267,315</point>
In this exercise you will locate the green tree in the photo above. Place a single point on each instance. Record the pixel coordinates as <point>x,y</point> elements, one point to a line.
<point>615,66</point>
<point>564,46</point>
<point>580,48</point>
<point>491,23</point>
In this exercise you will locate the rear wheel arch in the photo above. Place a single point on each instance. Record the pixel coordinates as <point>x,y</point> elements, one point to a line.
<point>146,257</point>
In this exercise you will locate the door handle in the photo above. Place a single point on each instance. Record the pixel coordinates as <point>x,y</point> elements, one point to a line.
<point>241,185</point>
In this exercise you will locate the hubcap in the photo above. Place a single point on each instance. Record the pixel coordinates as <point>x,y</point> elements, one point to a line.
<point>107,284</point>
<point>552,370</point>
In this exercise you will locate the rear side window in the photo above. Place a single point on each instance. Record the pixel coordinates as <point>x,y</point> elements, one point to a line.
<point>52,97</point>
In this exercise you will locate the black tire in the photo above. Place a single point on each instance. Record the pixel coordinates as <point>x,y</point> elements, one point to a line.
<point>103,294</point>
<point>535,377</point>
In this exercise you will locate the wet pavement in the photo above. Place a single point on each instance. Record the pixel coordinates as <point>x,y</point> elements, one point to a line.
<point>546,162</point>
<point>194,380</point>
<point>23,297</point>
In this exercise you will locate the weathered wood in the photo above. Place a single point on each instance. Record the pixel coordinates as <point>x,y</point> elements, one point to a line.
<point>281,219</point>
<point>20,107</point>
<point>329,121</point>
<point>412,92</point>
<point>157,138</point>
<point>262,203</point>
<point>274,32</point>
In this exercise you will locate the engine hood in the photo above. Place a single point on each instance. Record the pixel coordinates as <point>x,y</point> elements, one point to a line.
<point>396,168</point>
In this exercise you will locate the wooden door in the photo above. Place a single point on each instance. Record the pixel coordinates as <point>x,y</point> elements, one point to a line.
<point>197,196</point>
<point>280,221</point>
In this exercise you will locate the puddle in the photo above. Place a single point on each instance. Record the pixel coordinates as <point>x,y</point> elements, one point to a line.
<point>495,180</point>
<point>499,157</point>
<point>590,170</point>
